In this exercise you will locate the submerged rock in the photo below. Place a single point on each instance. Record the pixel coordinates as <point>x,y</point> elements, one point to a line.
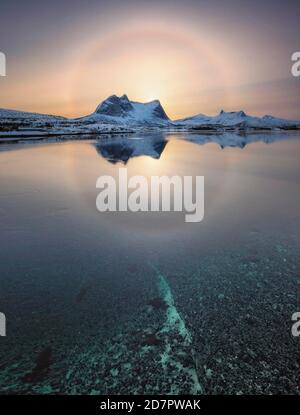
<point>158,303</point>
<point>151,340</point>
<point>42,367</point>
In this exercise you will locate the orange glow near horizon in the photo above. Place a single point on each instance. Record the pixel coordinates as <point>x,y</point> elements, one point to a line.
<point>188,70</point>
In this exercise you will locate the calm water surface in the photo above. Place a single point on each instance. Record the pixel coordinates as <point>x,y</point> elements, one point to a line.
<point>142,302</point>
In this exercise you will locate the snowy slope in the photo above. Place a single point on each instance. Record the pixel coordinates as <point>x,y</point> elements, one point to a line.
<point>14,115</point>
<point>14,124</point>
<point>123,111</point>
<point>237,119</point>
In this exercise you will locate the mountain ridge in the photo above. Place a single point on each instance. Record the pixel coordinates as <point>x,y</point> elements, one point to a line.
<point>121,114</point>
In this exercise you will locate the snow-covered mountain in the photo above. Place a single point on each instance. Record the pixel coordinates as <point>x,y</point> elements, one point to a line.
<point>14,115</point>
<point>119,114</point>
<point>15,124</point>
<point>236,119</point>
<point>123,111</point>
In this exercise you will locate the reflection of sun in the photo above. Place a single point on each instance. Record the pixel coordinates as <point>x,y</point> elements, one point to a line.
<point>148,166</point>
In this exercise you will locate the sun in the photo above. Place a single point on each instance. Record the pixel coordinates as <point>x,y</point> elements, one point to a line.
<point>150,96</point>
<point>146,62</point>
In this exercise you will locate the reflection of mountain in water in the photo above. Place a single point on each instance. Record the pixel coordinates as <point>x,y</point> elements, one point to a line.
<point>122,149</point>
<point>237,140</point>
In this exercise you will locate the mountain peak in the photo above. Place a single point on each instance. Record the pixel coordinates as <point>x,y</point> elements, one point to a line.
<point>239,113</point>
<point>115,106</point>
<point>124,97</point>
<point>155,101</point>
<point>122,107</point>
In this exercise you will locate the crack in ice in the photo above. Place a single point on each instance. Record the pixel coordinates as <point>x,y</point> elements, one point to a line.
<point>175,323</point>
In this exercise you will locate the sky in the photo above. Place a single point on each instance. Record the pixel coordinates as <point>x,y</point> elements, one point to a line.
<point>64,57</point>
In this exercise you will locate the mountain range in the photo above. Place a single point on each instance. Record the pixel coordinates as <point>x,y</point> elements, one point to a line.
<point>119,114</point>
